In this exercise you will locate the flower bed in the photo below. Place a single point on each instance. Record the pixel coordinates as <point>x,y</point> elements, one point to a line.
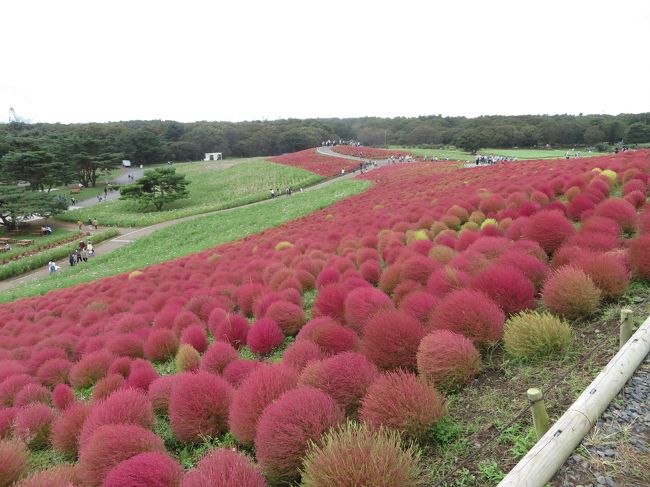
<point>368,152</point>
<point>360,290</point>
<point>317,163</point>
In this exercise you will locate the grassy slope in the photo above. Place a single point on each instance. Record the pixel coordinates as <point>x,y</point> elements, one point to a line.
<point>192,236</point>
<point>57,235</point>
<point>212,187</point>
<point>521,154</point>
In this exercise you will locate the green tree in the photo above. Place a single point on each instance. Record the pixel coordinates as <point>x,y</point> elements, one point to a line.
<point>36,167</point>
<point>593,135</point>
<point>157,187</point>
<point>470,140</point>
<point>19,202</point>
<point>88,155</point>
<point>638,133</point>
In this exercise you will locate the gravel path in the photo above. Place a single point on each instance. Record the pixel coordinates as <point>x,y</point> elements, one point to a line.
<point>616,453</point>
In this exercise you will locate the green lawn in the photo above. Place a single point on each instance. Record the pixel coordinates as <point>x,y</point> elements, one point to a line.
<point>522,154</point>
<point>213,186</point>
<point>192,236</point>
<point>57,235</point>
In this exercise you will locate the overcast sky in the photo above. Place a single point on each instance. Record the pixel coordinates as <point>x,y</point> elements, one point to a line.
<point>186,60</point>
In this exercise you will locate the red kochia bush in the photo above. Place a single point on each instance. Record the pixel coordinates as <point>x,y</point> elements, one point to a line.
<point>619,210</point>
<point>398,400</point>
<point>62,396</point>
<point>111,445</point>
<point>391,339</point>
<point>570,292</point>
<point>187,358</point>
<point>330,336</point>
<point>418,304</point>
<point>54,371</point>
<point>59,476</point>
<point>142,375</point>
<point>106,386</point>
<point>198,406</point>
<point>13,461</point>
<point>92,367</point>
<point>533,268</point>
<point>145,470</point>
<point>640,256</point>
<point>237,370</point>
<point>507,286</point>
<point>224,468</point>
<point>33,423</point>
<point>470,313</point>
<point>362,303</point>
<point>264,336</point>
<point>288,316</point>
<point>447,279</point>
<point>345,377</point>
<point>262,386</point>
<point>126,345</point>
<point>32,393</point>
<point>161,344</point>
<point>121,366</point>
<point>549,228</point>
<point>288,425</point>
<point>217,357</point>
<point>7,416</point>
<point>125,406</point>
<point>330,302</point>
<point>447,359</point>
<point>185,319</point>
<point>66,428</point>
<point>195,336</point>
<point>608,272</point>
<point>300,353</point>
<point>233,329</point>
<point>159,392</point>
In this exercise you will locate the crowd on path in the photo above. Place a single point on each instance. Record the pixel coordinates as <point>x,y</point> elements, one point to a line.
<point>92,222</point>
<point>334,143</point>
<point>81,254</point>
<point>489,160</point>
<point>276,192</point>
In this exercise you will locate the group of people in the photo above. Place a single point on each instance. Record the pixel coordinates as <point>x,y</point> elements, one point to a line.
<point>81,253</point>
<point>46,230</point>
<point>482,160</point>
<point>277,192</point>
<point>404,158</point>
<point>332,143</point>
<point>92,222</point>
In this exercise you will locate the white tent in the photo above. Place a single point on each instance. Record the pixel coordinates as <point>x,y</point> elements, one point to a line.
<point>213,156</point>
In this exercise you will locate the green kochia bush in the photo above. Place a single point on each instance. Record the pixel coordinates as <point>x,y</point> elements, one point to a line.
<point>531,335</point>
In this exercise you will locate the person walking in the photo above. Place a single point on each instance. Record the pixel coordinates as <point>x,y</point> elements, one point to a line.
<point>95,223</point>
<point>80,224</point>
<point>71,259</point>
<point>52,267</point>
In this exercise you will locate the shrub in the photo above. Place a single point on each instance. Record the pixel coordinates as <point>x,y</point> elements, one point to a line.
<point>288,316</point>
<point>32,425</point>
<point>570,292</point>
<point>507,286</point>
<point>224,468</point>
<point>533,268</point>
<point>110,445</point>
<point>184,319</point>
<point>262,386</point>
<point>447,279</point>
<point>233,329</point>
<point>246,296</point>
<point>549,228</point>
<point>124,406</point>
<point>640,257</point>
<point>529,335</point>
<point>59,476</point>
<point>330,302</point>
<point>126,345</point>
<point>161,344</point>
<point>237,370</point>
<point>198,406</point>
<point>418,304</point>
<point>619,210</point>
<point>398,400</point>
<point>362,303</point>
<point>332,338</point>
<point>470,313</point>
<point>92,367</point>
<point>355,454</point>
<point>447,360</point>
<point>145,470</point>
<point>264,336</point>
<point>187,358</point>
<point>13,461</point>
<point>62,396</point>
<point>54,371</point>
<point>32,393</point>
<point>142,375</point>
<point>121,366</point>
<point>370,270</point>
<point>287,426</point>
<point>608,272</point>
<point>7,416</point>
<point>300,353</point>
<point>106,386</point>
<point>217,357</point>
<point>66,429</point>
<point>195,335</point>
<point>345,377</point>
<point>391,339</point>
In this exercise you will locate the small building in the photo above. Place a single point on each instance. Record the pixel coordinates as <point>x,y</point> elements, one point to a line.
<point>126,163</point>
<point>213,156</point>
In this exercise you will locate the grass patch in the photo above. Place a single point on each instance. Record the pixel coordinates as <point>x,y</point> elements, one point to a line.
<point>213,186</point>
<point>40,242</point>
<point>26,264</point>
<point>522,154</point>
<point>192,236</point>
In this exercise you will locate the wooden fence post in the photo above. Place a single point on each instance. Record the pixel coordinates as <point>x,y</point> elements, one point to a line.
<point>626,330</point>
<point>540,416</point>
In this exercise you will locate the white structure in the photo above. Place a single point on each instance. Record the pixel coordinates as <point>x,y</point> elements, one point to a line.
<point>213,156</point>
<point>126,163</point>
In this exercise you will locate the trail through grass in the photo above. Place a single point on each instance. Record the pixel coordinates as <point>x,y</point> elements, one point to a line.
<point>522,154</point>
<point>192,236</point>
<point>213,186</point>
